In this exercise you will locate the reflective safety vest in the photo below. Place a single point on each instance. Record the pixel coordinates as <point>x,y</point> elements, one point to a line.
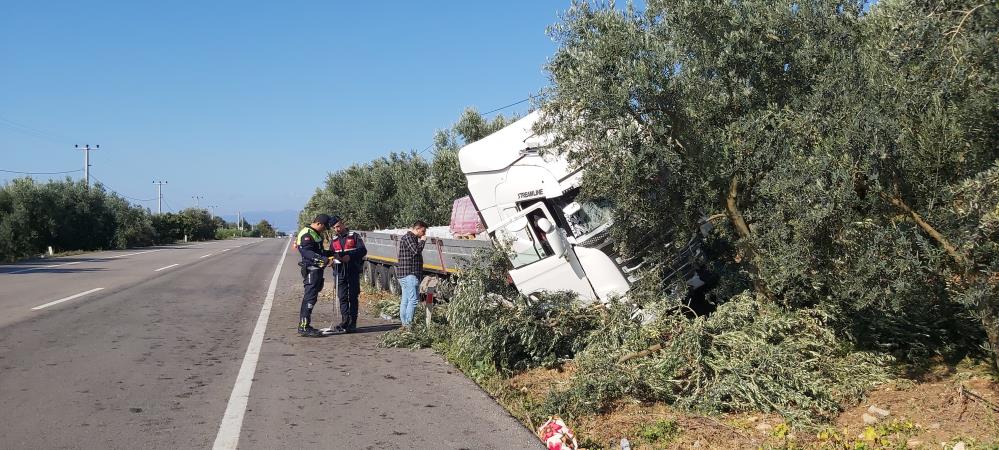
<point>308,230</point>
<point>342,244</point>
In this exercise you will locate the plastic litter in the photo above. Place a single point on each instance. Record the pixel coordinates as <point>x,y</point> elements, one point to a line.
<point>557,435</point>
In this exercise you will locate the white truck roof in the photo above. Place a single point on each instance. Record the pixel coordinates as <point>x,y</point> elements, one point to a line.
<point>500,149</point>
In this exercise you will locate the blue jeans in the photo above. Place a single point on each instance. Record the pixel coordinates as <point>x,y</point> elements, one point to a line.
<point>410,297</point>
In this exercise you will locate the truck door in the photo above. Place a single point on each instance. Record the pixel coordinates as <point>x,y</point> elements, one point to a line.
<point>542,261</point>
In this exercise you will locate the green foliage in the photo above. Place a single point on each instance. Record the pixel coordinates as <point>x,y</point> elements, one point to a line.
<point>850,163</point>
<point>397,190</point>
<point>229,233</point>
<point>264,229</point>
<point>67,216</point>
<point>388,307</point>
<point>196,224</point>
<point>893,434</point>
<point>747,356</point>
<point>659,433</point>
<point>750,355</point>
<point>846,150</point>
<point>487,330</point>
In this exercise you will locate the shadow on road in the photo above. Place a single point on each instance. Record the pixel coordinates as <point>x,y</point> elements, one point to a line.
<point>61,265</point>
<point>376,328</point>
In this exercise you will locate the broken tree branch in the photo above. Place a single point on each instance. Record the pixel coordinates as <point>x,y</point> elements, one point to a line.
<point>735,216</point>
<point>928,229</point>
<point>640,354</point>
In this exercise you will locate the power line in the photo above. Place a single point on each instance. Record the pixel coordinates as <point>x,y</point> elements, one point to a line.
<point>159,195</point>
<point>86,160</point>
<point>484,114</point>
<point>507,106</point>
<point>41,173</point>
<point>35,132</point>
<point>123,195</point>
<point>169,208</point>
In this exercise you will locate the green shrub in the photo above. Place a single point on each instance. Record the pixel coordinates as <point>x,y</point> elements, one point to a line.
<point>660,432</point>
<point>68,216</point>
<point>747,356</point>
<point>486,329</point>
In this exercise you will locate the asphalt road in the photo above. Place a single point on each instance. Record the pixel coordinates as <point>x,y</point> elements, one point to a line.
<point>162,348</point>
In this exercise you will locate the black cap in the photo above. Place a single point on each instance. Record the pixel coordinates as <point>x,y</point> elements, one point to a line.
<point>323,219</point>
<point>333,221</point>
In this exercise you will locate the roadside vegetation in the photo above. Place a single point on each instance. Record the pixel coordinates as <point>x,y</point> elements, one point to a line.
<point>848,159</point>
<point>395,191</point>
<point>68,216</point>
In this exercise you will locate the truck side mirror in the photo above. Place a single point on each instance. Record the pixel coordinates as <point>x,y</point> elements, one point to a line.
<point>545,225</point>
<point>555,238</point>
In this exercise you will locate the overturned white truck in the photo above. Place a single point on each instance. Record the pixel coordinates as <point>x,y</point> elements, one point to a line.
<point>529,203</point>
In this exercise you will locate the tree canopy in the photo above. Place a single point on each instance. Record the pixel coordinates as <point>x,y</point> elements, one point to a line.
<point>849,157</point>
<point>396,190</point>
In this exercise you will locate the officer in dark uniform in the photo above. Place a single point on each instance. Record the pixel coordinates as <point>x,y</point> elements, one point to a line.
<point>314,258</point>
<point>348,249</point>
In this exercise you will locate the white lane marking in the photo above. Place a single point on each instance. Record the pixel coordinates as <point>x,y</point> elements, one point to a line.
<point>225,250</point>
<point>205,256</point>
<point>71,297</point>
<point>79,262</point>
<point>167,267</point>
<point>136,253</point>
<point>232,420</point>
<point>45,267</point>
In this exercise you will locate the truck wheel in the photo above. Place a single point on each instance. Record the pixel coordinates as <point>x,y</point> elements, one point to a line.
<point>368,273</point>
<point>377,278</point>
<point>384,278</point>
<point>393,284</point>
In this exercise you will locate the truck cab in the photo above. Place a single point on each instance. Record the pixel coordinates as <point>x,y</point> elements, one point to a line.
<point>529,203</point>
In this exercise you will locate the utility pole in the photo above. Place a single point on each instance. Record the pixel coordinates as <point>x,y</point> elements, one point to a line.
<point>159,196</point>
<point>86,160</point>
<point>239,223</point>
<point>197,200</point>
<point>212,208</point>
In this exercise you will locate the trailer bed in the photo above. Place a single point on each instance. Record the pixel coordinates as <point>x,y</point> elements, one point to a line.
<point>440,255</point>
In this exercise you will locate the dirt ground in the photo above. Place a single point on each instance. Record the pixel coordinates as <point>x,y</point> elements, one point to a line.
<point>941,410</point>
<point>936,414</point>
<point>926,414</point>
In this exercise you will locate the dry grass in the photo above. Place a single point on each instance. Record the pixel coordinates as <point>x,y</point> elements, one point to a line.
<point>923,414</point>
<point>937,410</point>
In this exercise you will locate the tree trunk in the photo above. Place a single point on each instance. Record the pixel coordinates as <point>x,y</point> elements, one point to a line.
<point>928,229</point>
<point>752,261</point>
<point>990,320</point>
<point>640,354</point>
<point>990,317</point>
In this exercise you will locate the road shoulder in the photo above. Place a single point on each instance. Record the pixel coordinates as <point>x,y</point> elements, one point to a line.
<point>346,392</point>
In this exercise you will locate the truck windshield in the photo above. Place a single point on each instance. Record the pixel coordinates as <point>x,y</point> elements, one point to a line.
<point>583,216</point>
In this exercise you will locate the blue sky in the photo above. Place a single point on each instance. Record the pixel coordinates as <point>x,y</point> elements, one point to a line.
<point>250,104</point>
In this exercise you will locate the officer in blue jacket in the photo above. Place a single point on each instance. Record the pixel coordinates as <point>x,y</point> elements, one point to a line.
<point>314,259</point>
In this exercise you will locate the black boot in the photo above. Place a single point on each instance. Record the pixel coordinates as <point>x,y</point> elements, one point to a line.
<point>306,330</point>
